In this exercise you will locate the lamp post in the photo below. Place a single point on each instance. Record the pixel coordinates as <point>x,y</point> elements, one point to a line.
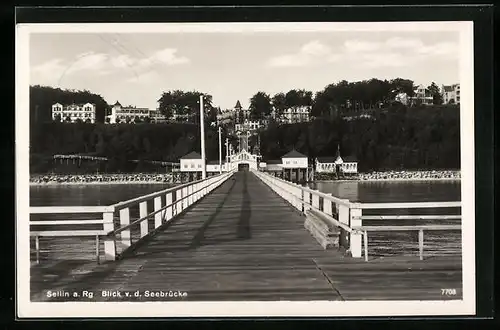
<point>202,129</point>
<point>220,150</point>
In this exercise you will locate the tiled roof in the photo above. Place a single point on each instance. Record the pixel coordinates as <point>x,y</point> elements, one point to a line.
<point>326,159</point>
<point>273,161</point>
<point>117,104</point>
<point>192,155</point>
<point>294,154</point>
<point>238,105</point>
<point>350,159</point>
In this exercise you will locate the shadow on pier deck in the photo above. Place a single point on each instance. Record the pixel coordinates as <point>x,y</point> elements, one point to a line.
<point>244,242</point>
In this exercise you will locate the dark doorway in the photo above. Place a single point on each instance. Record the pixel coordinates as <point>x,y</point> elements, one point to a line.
<point>243,167</point>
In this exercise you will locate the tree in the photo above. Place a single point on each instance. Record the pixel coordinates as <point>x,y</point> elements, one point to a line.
<point>171,103</point>
<point>260,106</point>
<point>400,85</point>
<point>43,97</point>
<point>57,118</point>
<point>184,104</point>
<point>68,119</point>
<point>434,91</point>
<point>279,104</point>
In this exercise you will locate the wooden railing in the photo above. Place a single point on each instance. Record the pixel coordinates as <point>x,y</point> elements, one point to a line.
<point>167,204</point>
<point>103,222</point>
<point>334,209</point>
<point>357,217</point>
<point>349,216</point>
<point>115,223</point>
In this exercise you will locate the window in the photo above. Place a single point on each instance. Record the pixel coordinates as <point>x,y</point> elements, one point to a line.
<point>199,165</point>
<point>185,166</point>
<point>192,165</point>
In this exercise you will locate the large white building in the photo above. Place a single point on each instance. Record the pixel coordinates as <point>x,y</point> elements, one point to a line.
<point>295,115</point>
<point>422,95</point>
<point>191,162</point>
<point>129,114</point>
<point>248,125</point>
<point>337,164</point>
<point>451,94</point>
<point>294,159</point>
<point>240,113</point>
<point>74,112</point>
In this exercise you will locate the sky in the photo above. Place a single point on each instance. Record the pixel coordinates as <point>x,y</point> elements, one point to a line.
<point>135,68</point>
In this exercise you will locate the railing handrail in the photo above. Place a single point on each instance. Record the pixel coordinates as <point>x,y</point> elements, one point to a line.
<point>121,205</point>
<point>408,228</point>
<point>410,217</point>
<point>149,215</point>
<point>67,222</point>
<point>329,197</point>
<point>69,209</point>
<point>405,205</point>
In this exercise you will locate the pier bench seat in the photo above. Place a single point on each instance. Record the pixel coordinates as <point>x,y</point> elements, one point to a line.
<point>325,232</point>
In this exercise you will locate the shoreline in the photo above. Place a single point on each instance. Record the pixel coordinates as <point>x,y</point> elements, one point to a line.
<point>166,178</point>
<point>90,183</point>
<point>392,180</point>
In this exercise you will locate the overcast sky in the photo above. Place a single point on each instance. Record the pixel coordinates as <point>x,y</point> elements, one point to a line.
<point>135,68</point>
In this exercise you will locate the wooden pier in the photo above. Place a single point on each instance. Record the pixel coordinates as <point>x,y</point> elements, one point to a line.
<point>242,241</point>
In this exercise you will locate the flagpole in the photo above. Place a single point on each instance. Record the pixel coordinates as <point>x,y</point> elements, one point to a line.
<point>220,150</point>
<point>202,129</point>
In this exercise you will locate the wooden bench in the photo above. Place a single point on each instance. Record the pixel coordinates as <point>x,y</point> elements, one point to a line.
<point>323,230</point>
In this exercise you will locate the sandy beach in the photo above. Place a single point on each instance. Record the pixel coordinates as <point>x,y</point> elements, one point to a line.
<point>100,179</point>
<point>166,178</point>
<point>94,183</point>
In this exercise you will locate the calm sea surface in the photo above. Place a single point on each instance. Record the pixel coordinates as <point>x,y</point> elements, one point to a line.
<point>88,195</point>
<point>392,191</point>
<point>379,243</point>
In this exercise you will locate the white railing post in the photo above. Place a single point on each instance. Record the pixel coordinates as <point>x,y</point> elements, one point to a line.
<point>169,211</point>
<point>143,211</point>
<point>184,198</point>
<point>125,221</point>
<point>421,244</point>
<point>194,191</point>
<point>307,202</point>
<point>297,200</point>
<point>356,238</point>
<point>178,204</point>
<point>315,201</point>
<point>327,207</point>
<point>37,248</point>
<point>205,188</point>
<point>109,244</point>
<point>190,194</point>
<point>295,196</point>
<point>343,214</point>
<point>159,215</point>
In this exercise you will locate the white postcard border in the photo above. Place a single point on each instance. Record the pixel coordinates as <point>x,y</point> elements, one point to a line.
<point>26,308</point>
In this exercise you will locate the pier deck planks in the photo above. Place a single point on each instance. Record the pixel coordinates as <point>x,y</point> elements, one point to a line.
<point>244,242</point>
